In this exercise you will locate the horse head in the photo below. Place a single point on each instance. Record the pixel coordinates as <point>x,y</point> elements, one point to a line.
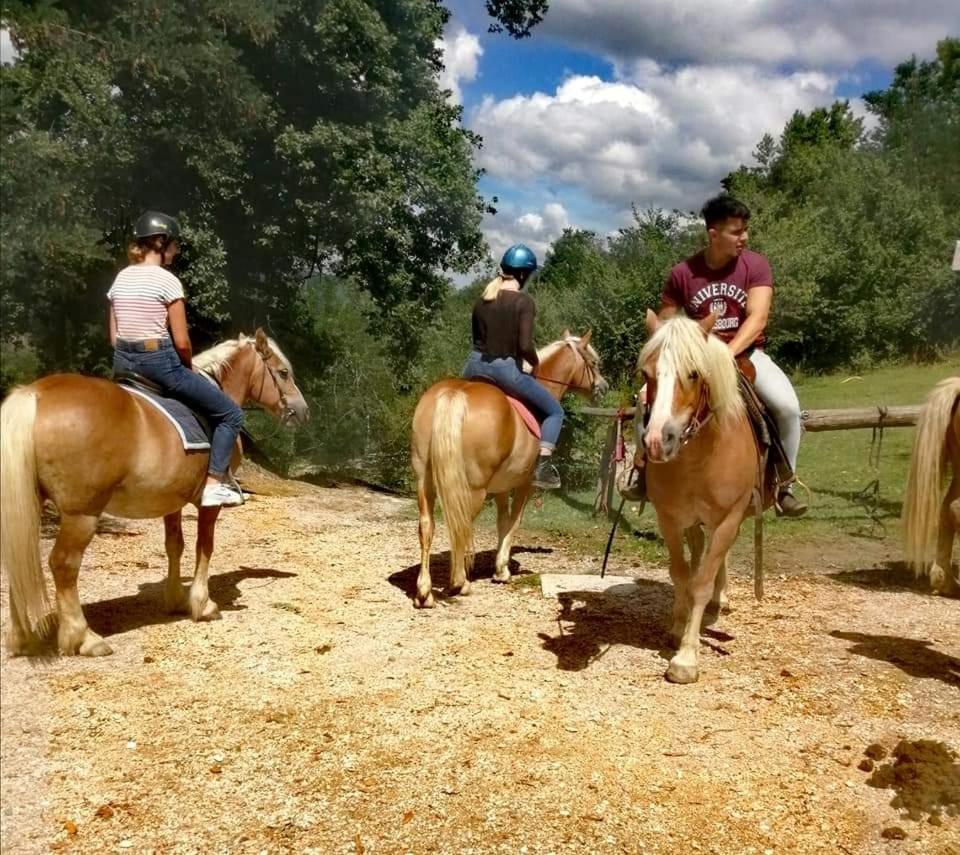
<point>255,369</point>
<point>573,364</point>
<point>690,376</point>
<point>272,385</point>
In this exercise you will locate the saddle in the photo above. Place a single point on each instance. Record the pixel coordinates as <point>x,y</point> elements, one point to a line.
<point>777,472</point>
<point>526,415</point>
<point>193,429</point>
<point>138,381</point>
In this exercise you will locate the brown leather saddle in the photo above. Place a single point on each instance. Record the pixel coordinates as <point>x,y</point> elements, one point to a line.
<point>777,472</point>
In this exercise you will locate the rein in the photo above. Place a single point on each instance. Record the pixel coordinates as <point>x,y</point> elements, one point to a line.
<point>587,367</point>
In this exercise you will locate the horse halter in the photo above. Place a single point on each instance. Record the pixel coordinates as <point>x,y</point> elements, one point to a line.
<point>286,411</point>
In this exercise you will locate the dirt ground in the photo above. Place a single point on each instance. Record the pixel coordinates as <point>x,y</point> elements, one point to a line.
<point>324,714</point>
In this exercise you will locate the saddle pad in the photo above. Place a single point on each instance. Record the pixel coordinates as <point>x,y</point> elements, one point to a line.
<point>526,416</point>
<point>193,432</point>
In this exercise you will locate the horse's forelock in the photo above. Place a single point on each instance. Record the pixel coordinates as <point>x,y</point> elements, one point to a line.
<point>683,350</point>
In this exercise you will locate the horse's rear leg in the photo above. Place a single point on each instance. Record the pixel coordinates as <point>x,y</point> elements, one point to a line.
<point>201,606</point>
<point>459,566</point>
<point>508,521</point>
<point>942,579</point>
<point>426,500</point>
<point>174,594</point>
<point>73,635</point>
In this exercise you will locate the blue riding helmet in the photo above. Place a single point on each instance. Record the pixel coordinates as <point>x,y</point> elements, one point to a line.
<point>518,259</point>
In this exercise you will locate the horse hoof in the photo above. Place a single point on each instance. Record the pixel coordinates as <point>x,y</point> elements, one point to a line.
<point>463,590</point>
<point>99,648</point>
<point>683,674</point>
<point>501,578</point>
<point>423,602</point>
<point>211,611</point>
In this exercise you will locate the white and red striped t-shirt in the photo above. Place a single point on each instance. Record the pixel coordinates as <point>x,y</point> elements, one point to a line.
<point>140,295</point>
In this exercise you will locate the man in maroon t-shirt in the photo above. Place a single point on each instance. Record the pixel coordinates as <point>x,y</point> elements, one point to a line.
<point>737,286</point>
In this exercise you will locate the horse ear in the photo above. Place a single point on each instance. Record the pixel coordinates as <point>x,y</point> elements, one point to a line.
<point>585,339</point>
<point>706,324</point>
<point>263,343</point>
<point>652,321</point>
<point>566,333</point>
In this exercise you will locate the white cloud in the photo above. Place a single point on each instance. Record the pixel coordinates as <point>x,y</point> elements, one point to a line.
<point>656,136</point>
<point>461,55</point>
<point>536,229</point>
<point>813,33</point>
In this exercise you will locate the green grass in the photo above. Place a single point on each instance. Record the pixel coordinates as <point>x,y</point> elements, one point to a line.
<point>851,501</point>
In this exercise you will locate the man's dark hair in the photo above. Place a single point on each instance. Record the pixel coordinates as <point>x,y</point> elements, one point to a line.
<point>724,207</point>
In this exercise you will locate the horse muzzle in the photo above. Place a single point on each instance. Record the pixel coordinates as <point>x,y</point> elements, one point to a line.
<point>663,445</point>
<point>295,414</point>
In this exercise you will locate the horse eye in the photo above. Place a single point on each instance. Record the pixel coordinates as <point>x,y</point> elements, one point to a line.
<point>694,376</point>
<point>284,373</point>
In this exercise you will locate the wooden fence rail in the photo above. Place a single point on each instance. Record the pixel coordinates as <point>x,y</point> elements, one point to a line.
<point>818,420</point>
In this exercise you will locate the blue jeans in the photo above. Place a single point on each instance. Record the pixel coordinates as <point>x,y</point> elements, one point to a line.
<point>506,374</point>
<point>163,367</point>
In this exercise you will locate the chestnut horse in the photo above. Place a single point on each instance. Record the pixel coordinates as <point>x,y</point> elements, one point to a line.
<point>91,448</point>
<point>937,441</point>
<point>702,468</point>
<point>469,442</point>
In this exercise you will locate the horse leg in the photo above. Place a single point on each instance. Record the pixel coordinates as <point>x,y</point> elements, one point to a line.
<point>679,574</point>
<point>507,524</point>
<point>73,635</point>
<point>941,572</point>
<point>201,606</point>
<point>719,603</point>
<point>174,595</point>
<point>460,562</point>
<point>684,667</point>
<point>426,500</point>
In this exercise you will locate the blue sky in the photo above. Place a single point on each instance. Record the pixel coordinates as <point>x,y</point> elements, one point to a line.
<point>614,103</point>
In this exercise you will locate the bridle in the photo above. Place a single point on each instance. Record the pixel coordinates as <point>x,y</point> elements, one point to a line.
<point>701,414</point>
<point>588,368</point>
<point>286,411</point>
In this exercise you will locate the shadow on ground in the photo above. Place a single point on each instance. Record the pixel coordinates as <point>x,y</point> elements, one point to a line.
<point>145,608</point>
<point>888,576</point>
<point>484,564</point>
<point>910,655</point>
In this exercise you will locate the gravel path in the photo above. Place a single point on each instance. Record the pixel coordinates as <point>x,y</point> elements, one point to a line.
<point>324,714</point>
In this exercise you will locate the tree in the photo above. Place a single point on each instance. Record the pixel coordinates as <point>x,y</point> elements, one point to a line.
<point>292,137</point>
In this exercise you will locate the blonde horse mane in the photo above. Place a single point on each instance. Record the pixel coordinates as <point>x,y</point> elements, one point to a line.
<point>217,360</point>
<point>921,502</point>
<point>684,350</point>
<point>550,350</point>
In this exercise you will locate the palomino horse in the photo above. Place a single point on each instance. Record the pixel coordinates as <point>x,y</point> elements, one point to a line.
<point>91,448</point>
<point>468,442</point>
<point>937,441</point>
<point>702,468</point>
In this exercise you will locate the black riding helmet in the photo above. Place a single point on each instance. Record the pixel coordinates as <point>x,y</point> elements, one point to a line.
<point>156,224</point>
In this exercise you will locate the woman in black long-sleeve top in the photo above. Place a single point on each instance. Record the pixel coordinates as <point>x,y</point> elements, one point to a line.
<point>503,339</point>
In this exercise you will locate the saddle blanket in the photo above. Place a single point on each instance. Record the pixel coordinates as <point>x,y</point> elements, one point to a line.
<point>526,416</point>
<point>193,432</point>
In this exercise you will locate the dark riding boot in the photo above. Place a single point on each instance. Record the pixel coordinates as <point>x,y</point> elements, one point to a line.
<point>632,484</point>
<point>545,476</point>
<point>789,505</point>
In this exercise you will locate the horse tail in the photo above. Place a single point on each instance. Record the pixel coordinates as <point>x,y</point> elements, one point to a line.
<point>20,509</point>
<point>450,474</point>
<point>921,503</point>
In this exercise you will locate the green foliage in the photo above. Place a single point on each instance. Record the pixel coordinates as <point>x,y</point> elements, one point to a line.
<point>293,137</point>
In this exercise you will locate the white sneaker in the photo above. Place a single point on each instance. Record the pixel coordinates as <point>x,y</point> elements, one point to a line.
<point>222,495</point>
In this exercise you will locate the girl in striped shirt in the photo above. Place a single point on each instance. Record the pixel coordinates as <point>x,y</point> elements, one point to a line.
<point>148,330</point>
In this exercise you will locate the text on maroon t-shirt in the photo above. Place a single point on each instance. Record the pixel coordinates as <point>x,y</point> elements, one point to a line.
<point>700,290</point>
